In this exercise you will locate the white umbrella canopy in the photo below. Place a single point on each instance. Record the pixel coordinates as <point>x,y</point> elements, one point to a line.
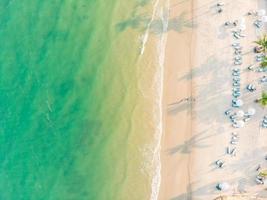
<point>239,124</point>
<point>261,12</point>
<point>224,186</point>
<point>240,113</point>
<point>264,19</point>
<point>239,102</point>
<point>242,21</point>
<point>242,27</point>
<point>251,111</point>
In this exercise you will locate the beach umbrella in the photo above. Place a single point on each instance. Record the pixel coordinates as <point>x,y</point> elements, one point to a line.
<point>224,186</point>
<point>251,111</point>
<point>239,102</point>
<point>239,124</point>
<point>261,12</point>
<point>242,27</point>
<point>264,19</point>
<point>242,20</point>
<point>240,113</point>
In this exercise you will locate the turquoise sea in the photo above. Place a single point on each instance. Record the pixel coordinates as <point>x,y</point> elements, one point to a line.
<point>71,114</point>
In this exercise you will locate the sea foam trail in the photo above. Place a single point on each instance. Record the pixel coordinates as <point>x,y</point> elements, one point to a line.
<point>158,114</point>
<point>146,35</point>
<point>160,14</point>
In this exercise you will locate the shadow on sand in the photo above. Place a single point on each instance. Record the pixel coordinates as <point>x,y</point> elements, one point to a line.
<point>196,141</point>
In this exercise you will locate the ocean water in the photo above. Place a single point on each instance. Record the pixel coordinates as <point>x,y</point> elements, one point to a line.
<point>76,106</point>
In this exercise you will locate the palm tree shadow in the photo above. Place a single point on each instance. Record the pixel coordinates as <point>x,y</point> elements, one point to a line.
<point>140,22</point>
<point>197,193</point>
<point>178,107</point>
<point>196,141</point>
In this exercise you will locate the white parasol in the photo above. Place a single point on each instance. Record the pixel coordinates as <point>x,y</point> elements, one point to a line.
<point>239,102</point>
<point>240,113</point>
<point>251,111</point>
<point>264,19</point>
<point>261,12</point>
<point>239,124</point>
<point>224,186</point>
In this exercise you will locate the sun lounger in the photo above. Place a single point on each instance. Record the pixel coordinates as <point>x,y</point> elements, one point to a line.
<point>251,87</point>
<point>236,36</point>
<point>246,119</point>
<point>228,150</point>
<point>236,78</point>
<point>263,79</point>
<point>234,134</point>
<point>228,112</point>
<point>260,70</point>
<point>223,186</point>
<point>233,152</point>
<point>237,103</point>
<point>236,44</point>
<point>236,84</point>
<point>236,95</point>
<point>236,73</point>
<point>236,70</point>
<point>234,116</point>
<point>236,81</point>
<point>234,142</point>
<point>234,138</point>
<point>238,52</point>
<point>237,47</point>
<point>236,89</point>
<point>250,67</point>
<point>220,163</point>
<point>259,180</point>
<point>238,124</point>
<point>238,63</point>
<point>233,121</point>
<point>258,23</point>
<point>220,4</point>
<point>237,59</point>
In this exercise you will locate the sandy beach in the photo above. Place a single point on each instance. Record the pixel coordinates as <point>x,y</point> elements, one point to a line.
<point>197,91</point>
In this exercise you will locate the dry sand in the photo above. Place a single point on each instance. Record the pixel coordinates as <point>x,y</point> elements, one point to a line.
<point>199,60</point>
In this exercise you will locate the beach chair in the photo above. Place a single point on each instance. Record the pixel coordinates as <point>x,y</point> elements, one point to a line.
<point>263,79</point>
<point>246,119</point>
<point>264,125</point>
<point>236,84</point>
<point>236,70</point>
<point>236,73</point>
<point>236,79</point>
<point>236,44</point>
<point>238,62</point>
<point>238,52</point>
<point>233,152</point>
<point>228,112</point>
<point>220,163</point>
<point>234,142</point>
<point>236,95</point>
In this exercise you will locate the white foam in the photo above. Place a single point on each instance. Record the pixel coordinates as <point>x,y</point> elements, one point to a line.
<point>160,13</point>
<point>158,114</point>
<point>146,34</point>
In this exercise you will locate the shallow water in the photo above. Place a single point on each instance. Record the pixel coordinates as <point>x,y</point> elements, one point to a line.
<point>72,110</point>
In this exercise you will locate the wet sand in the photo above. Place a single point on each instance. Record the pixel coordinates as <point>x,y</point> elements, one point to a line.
<point>199,61</point>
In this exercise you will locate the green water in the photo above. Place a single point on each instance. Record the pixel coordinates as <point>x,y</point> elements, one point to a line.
<point>68,92</point>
